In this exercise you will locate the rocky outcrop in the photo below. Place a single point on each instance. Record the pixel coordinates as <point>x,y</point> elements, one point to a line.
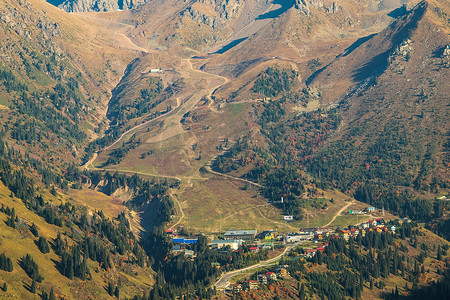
<point>24,25</point>
<point>223,11</point>
<point>99,5</point>
<point>305,6</point>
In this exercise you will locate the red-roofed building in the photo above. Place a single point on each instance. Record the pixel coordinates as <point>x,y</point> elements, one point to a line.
<point>271,275</point>
<point>354,232</point>
<point>310,252</point>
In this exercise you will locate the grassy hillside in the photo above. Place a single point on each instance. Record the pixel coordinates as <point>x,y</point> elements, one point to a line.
<point>15,243</point>
<point>54,82</point>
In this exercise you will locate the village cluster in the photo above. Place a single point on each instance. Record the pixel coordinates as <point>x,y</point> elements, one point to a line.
<point>233,239</point>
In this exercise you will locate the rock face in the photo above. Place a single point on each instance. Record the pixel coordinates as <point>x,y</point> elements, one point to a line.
<point>225,9</point>
<point>213,13</point>
<point>305,5</point>
<point>99,5</point>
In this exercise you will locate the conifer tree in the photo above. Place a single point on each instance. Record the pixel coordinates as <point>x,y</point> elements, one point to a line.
<point>439,253</point>
<point>52,296</point>
<point>43,245</point>
<point>34,230</point>
<point>33,286</point>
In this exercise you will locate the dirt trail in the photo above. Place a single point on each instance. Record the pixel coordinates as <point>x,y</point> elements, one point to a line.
<point>180,208</point>
<point>138,126</point>
<point>208,168</point>
<point>225,278</point>
<point>338,213</point>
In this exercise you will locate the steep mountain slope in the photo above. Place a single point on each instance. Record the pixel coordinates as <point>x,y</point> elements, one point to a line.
<point>394,100</point>
<point>282,100</point>
<point>370,133</point>
<point>193,25</point>
<point>54,84</point>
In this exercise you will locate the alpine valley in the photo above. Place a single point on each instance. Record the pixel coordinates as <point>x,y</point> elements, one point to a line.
<point>224,149</point>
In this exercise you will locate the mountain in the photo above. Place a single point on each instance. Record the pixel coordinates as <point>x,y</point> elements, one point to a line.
<point>97,5</point>
<point>51,67</point>
<point>128,118</point>
<point>393,97</point>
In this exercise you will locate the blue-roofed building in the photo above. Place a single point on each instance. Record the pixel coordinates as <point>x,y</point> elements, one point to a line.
<point>184,241</point>
<point>190,241</point>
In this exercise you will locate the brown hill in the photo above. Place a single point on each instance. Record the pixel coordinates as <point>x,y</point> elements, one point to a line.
<point>394,84</point>
<point>58,71</point>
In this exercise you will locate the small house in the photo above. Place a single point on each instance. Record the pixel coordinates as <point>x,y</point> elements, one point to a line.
<point>281,272</point>
<point>262,278</point>
<point>236,288</point>
<point>271,275</point>
<point>251,284</point>
<point>254,249</point>
<point>310,252</point>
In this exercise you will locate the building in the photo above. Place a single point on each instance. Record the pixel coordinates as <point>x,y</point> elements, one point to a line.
<point>234,244</point>
<point>235,288</point>
<point>254,249</point>
<point>371,209</point>
<point>216,265</point>
<point>344,233</point>
<point>292,238</point>
<point>372,223</point>
<point>240,235</point>
<point>170,231</point>
<point>317,230</point>
<point>271,275</point>
<point>251,284</point>
<point>184,241</point>
<point>189,253</point>
<point>310,252</point>
<point>281,272</point>
<point>354,232</point>
<point>296,237</point>
<point>262,278</point>
<point>268,235</point>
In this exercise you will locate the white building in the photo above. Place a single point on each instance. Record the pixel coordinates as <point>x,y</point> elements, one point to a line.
<point>234,244</point>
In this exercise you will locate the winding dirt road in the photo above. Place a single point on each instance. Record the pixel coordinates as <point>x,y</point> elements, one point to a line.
<point>224,280</point>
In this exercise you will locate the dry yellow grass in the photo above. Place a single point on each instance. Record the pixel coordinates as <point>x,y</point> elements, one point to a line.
<point>16,244</point>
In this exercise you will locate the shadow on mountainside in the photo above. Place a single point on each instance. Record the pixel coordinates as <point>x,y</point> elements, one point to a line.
<point>285,5</point>
<point>55,2</point>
